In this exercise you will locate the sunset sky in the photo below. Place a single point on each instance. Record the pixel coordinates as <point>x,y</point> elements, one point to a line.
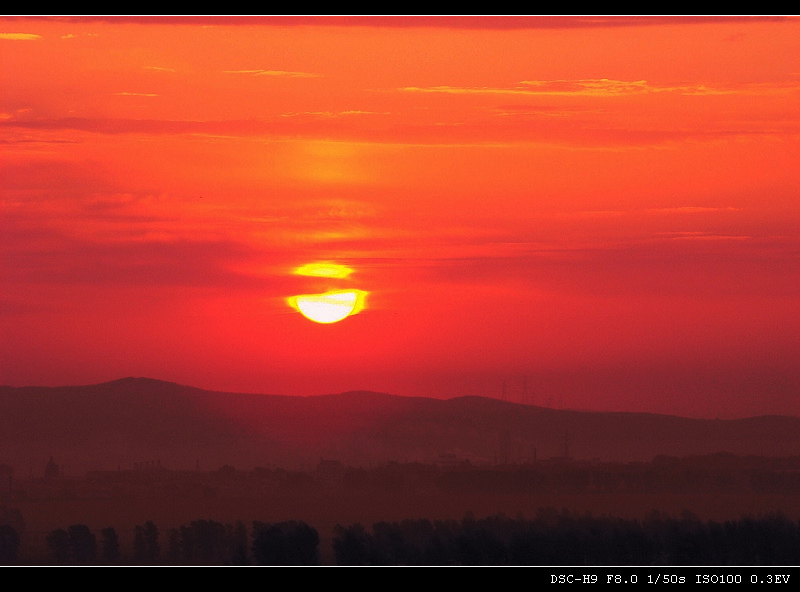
<point>602,212</point>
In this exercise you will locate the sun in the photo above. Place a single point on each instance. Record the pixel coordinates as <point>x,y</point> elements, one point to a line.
<point>329,307</point>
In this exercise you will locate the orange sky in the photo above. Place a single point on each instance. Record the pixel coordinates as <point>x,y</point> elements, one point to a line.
<point>606,207</point>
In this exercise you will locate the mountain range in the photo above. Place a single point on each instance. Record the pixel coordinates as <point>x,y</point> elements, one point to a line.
<point>134,420</point>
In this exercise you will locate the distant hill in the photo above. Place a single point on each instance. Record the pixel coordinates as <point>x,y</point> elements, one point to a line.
<point>139,419</point>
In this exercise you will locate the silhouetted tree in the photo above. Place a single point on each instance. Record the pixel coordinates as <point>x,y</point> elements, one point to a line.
<point>204,542</point>
<point>561,538</point>
<point>58,543</point>
<point>351,545</point>
<point>12,518</point>
<point>82,543</point>
<point>187,543</point>
<point>110,549</point>
<point>285,543</point>
<point>174,550</point>
<point>9,543</point>
<point>145,543</point>
<point>237,537</point>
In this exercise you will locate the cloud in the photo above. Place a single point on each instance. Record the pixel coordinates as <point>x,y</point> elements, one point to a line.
<point>590,87</point>
<point>135,94</point>
<point>600,87</point>
<point>593,87</point>
<point>331,114</point>
<point>19,36</point>
<point>275,73</point>
<point>39,255</point>
<point>73,36</point>
<point>538,111</point>
<point>690,210</point>
<point>54,179</point>
<point>354,126</point>
<point>159,69</point>
<point>605,87</point>
<point>704,236</point>
<point>686,264</point>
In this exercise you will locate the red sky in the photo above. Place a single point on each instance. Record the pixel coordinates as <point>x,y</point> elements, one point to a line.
<point>604,210</point>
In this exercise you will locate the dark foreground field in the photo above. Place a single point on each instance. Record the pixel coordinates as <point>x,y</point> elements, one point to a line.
<point>671,511</point>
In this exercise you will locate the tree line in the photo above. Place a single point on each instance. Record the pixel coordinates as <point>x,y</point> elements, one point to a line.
<point>561,538</point>
<point>202,542</point>
<point>550,538</point>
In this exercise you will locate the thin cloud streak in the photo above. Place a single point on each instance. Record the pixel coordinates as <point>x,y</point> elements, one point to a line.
<point>20,36</point>
<point>500,133</point>
<point>274,73</point>
<point>604,87</point>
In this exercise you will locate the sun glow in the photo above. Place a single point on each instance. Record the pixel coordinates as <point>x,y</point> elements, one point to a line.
<point>324,269</point>
<point>329,307</point>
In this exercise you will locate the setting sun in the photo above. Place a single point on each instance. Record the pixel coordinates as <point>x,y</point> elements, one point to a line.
<point>606,206</point>
<point>330,307</point>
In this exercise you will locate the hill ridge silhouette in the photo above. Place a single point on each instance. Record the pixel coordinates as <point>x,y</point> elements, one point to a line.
<point>132,419</point>
<point>144,381</point>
